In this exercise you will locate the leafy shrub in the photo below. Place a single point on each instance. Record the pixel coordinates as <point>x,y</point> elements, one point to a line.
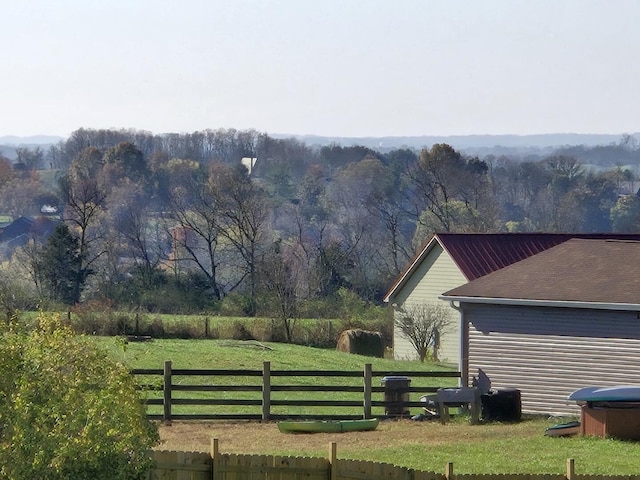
<point>67,410</point>
<point>159,292</point>
<point>320,334</point>
<point>235,305</point>
<point>98,318</point>
<point>274,330</point>
<point>184,329</point>
<point>241,332</point>
<point>320,308</point>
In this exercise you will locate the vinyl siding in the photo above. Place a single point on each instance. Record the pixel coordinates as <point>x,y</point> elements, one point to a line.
<point>547,353</point>
<point>435,275</point>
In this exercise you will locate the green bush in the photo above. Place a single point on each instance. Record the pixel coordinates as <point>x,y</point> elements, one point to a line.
<point>320,334</point>
<point>315,328</point>
<point>159,292</point>
<point>235,305</point>
<point>67,410</point>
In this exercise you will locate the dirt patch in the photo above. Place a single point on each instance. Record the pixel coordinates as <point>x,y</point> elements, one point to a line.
<point>265,438</point>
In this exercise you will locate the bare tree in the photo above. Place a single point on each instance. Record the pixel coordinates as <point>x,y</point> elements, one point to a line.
<point>195,238</point>
<point>243,214</point>
<point>280,283</point>
<point>22,196</point>
<point>141,237</point>
<point>423,324</point>
<point>84,204</point>
<point>31,159</point>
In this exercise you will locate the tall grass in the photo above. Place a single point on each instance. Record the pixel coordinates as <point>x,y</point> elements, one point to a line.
<point>309,332</point>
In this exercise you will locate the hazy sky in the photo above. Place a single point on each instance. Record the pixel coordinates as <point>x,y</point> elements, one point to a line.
<point>326,67</point>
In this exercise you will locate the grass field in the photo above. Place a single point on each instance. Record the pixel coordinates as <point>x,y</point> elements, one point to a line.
<point>233,354</point>
<point>519,447</point>
<point>195,353</point>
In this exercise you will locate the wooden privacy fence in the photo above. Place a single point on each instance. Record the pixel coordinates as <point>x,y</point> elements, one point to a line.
<point>225,466</point>
<point>244,390</point>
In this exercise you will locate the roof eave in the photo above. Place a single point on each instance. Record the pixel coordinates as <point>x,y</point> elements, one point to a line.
<point>402,279</point>
<point>543,303</point>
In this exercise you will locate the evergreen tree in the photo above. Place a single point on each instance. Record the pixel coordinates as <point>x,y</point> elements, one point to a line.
<point>59,268</point>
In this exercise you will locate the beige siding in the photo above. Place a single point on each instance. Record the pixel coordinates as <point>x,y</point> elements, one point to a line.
<point>547,353</point>
<point>436,274</point>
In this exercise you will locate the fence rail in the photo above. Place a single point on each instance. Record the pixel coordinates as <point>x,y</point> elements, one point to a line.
<point>395,400</point>
<point>170,465</point>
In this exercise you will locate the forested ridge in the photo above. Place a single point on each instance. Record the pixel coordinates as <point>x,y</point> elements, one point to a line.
<point>179,223</point>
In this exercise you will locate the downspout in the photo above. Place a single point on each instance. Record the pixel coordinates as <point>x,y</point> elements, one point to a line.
<point>394,308</point>
<point>463,360</point>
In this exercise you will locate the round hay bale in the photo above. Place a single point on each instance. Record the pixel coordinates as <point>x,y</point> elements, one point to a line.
<point>361,342</point>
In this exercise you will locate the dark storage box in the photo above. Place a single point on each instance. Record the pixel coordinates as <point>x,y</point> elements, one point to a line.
<point>502,405</point>
<point>396,393</point>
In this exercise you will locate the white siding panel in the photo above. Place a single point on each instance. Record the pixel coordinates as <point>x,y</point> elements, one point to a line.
<point>547,353</point>
<point>437,274</point>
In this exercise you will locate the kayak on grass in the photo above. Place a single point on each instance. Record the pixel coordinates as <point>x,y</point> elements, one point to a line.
<point>563,429</point>
<point>333,426</point>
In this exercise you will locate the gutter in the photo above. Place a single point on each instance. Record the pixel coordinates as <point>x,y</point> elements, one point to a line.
<point>541,303</point>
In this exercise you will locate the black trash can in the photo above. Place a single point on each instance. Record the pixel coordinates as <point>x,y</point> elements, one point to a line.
<point>396,393</point>
<point>502,405</point>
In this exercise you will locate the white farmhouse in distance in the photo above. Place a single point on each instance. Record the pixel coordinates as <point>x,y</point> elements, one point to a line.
<point>249,162</point>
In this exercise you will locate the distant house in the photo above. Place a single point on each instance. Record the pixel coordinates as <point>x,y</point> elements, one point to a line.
<point>19,227</point>
<point>449,260</point>
<point>23,229</point>
<point>49,210</point>
<point>249,163</point>
<point>562,319</point>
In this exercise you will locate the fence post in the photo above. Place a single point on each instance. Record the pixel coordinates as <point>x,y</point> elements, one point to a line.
<point>333,457</point>
<point>166,389</point>
<point>266,390</point>
<point>367,390</point>
<point>570,469</point>
<point>448,472</point>
<point>215,459</point>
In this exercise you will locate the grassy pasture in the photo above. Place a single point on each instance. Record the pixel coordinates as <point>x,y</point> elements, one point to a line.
<point>208,353</point>
<point>519,447</point>
<point>232,354</point>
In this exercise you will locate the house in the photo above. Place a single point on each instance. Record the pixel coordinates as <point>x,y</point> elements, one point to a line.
<point>449,260</point>
<point>249,163</point>
<point>562,319</point>
<point>23,229</point>
<point>21,226</point>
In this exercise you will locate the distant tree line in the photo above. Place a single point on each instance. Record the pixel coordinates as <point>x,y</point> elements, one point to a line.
<point>176,223</point>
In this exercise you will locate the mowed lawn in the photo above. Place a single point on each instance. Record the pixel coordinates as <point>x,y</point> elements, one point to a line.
<point>519,447</point>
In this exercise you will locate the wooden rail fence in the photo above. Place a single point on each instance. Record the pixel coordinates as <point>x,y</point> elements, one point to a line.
<point>262,400</point>
<point>170,465</point>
